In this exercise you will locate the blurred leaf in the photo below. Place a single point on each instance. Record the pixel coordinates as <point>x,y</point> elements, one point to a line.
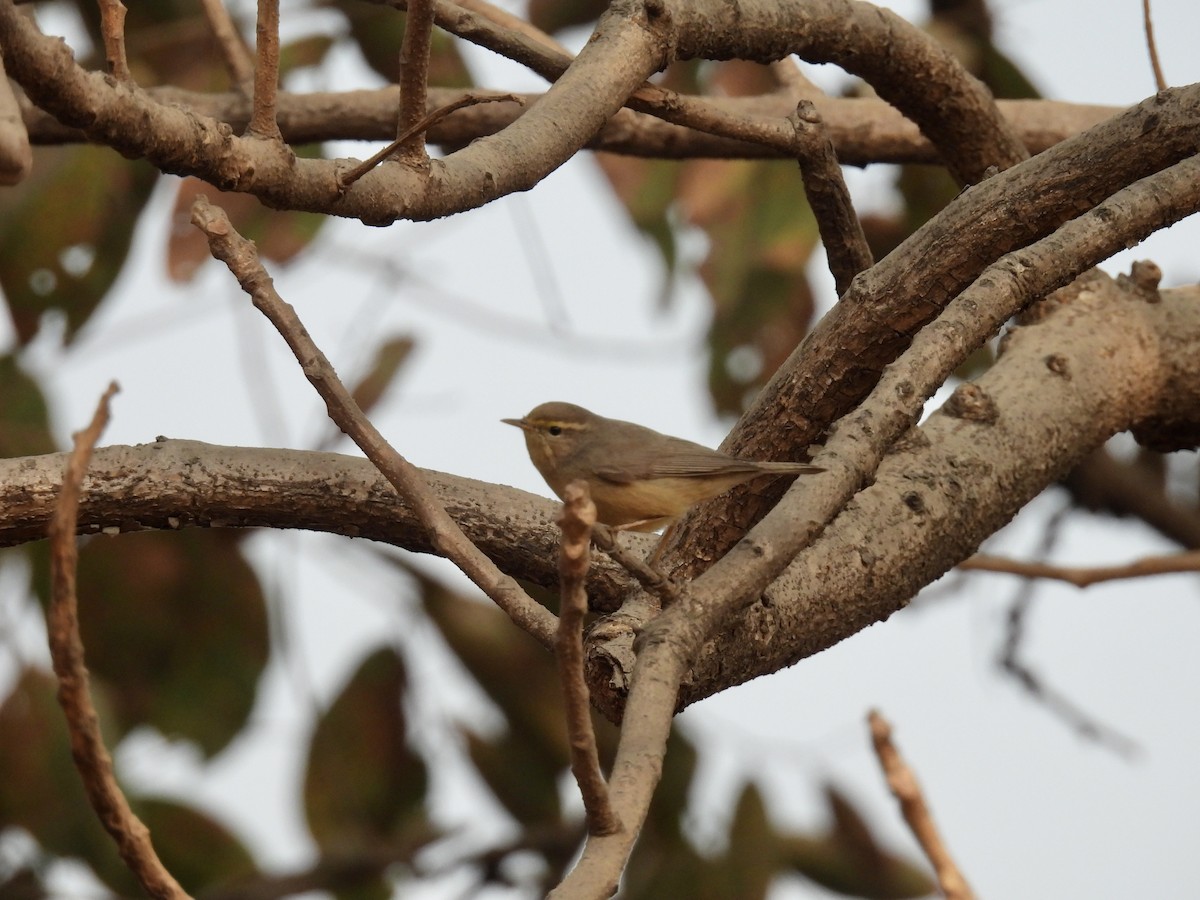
<point>555,15</point>
<point>762,234</point>
<point>647,188</point>
<point>849,860</point>
<point>278,235</point>
<point>492,650</point>
<point>176,625</point>
<point>197,849</point>
<point>304,53</point>
<point>24,419</point>
<point>40,789</point>
<point>753,857</point>
<point>65,232</point>
<point>364,787</point>
<point>379,32</point>
<point>389,357</point>
<point>519,777</point>
<point>42,792</point>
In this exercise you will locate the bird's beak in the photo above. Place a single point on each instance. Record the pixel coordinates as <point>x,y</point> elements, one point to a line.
<point>519,423</point>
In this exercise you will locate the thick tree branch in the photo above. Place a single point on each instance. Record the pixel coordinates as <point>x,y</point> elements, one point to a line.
<point>961,476</point>
<point>863,130</point>
<point>176,484</point>
<point>630,43</point>
<point>841,360</point>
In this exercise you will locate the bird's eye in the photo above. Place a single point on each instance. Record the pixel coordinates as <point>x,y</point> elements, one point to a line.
<point>555,430</point>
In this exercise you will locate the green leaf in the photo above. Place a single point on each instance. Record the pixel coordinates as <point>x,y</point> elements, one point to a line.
<point>24,419</point>
<point>520,778</point>
<point>176,625</point>
<point>849,860</point>
<point>279,235</point>
<point>761,236</point>
<point>389,357</point>
<point>65,232</point>
<point>364,787</point>
<point>195,848</point>
<point>379,32</point>
<point>40,789</point>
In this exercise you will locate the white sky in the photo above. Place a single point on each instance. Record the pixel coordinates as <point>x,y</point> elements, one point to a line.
<point>1028,809</point>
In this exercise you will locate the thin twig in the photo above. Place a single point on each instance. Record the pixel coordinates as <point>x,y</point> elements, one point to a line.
<point>414,81</point>
<point>238,60</point>
<point>1034,684</point>
<point>1082,576</point>
<point>345,179</point>
<point>266,71</point>
<point>653,580</point>
<point>845,243</point>
<point>447,538</point>
<point>904,787</point>
<point>578,517</point>
<point>112,27</point>
<point>66,650</point>
<point>1160,80</point>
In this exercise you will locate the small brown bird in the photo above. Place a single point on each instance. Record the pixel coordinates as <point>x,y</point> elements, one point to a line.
<point>639,479</point>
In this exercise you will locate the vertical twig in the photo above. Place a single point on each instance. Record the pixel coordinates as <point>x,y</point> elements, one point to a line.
<point>266,71</point>
<point>112,27</point>
<point>448,539</point>
<point>234,51</point>
<point>904,787</point>
<point>414,76</point>
<point>578,517</point>
<point>66,651</point>
<point>845,244</point>
<point>1160,80</point>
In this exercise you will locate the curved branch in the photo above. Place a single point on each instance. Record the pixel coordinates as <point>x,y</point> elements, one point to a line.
<point>904,65</point>
<point>842,359</point>
<point>1051,397</point>
<point>619,58</point>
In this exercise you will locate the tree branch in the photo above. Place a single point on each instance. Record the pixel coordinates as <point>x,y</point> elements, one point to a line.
<point>66,650</point>
<point>239,255</point>
<point>842,359</point>
<point>414,75</point>
<point>907,791</point>
<point>266,72</point>
<point>578,518</point>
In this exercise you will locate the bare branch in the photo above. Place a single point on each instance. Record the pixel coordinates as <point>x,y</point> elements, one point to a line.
<point>1160,80</point>
<point>841,231</point>
<point>239,255</point>
<point>348,178</point>
<point>578,518</point>
<point>66,650</point>
<point>414,77</point>
<point>904,787</point>
<point>266,72</point>
<point>1084,576</point>
<point>842,359</point>
<point>112,27</point>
